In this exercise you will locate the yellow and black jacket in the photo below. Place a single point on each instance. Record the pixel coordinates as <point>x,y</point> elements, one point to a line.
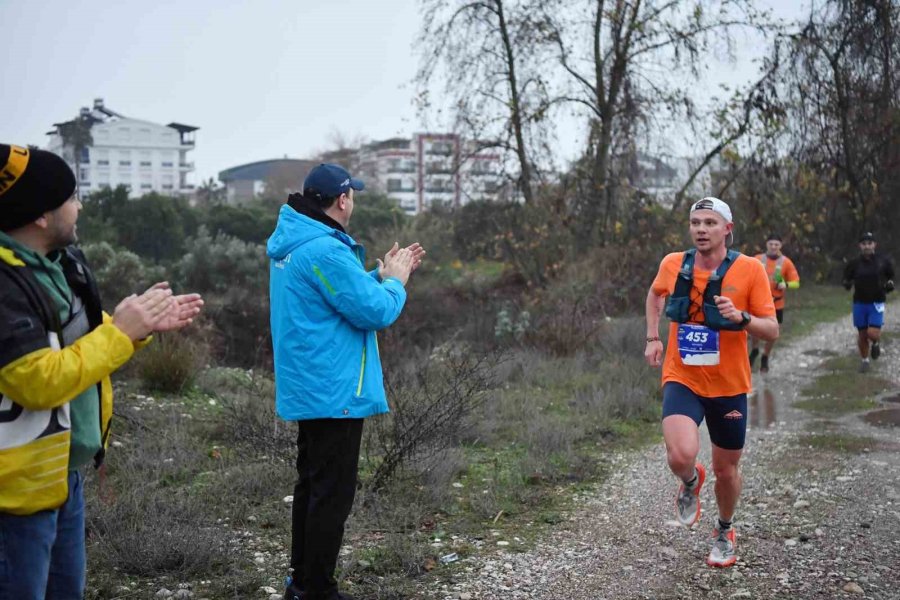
<point>40,374</point>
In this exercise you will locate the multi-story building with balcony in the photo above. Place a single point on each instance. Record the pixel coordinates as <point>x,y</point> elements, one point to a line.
<point>430,169</point>
<point>143,156</point>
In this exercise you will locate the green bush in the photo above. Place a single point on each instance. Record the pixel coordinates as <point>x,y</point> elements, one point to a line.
<point>120,273</point>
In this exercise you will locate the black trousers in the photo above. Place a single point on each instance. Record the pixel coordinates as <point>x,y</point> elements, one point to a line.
<point>327,463</point>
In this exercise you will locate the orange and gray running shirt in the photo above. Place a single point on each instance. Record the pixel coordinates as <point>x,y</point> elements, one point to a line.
<point>747,285</point>
<point>788,273</point>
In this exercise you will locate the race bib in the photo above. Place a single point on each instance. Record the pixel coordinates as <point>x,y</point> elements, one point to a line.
<point>698,345</point>
<point>879,307</point>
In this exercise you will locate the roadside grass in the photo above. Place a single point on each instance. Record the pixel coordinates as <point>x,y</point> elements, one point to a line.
<point>837,442</point>
<point>811,305</point>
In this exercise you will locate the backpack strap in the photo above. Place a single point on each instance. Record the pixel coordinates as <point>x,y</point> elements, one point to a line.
<point>37,296</point>
<point>714,286</point>
<point>684,281</point>
<point>82,283</point>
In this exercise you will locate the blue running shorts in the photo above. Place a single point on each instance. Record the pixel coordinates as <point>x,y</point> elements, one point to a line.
<point>868,314</point>
<point>726,416</point>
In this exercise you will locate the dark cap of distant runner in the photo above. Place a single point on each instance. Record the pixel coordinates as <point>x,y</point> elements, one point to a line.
<point>868,236</point>
<point>773,236</point>
<point>32,182</point>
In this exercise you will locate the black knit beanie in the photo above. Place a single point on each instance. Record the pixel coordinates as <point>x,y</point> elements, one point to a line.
<point>32,182</point>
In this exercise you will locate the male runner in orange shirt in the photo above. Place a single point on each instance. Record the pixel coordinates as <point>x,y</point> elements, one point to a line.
<point>706,372</point>
<point>782,276</point>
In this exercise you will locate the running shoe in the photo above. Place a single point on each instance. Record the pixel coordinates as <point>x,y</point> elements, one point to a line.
<point>687,502</point>
<point>864,366</point>
<point>876,350</point>
<point>723,549</point>
<point>753,354</point>
<point>764,364</point>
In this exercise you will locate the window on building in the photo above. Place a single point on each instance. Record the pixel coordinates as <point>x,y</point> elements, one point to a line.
<point>146,186</point>
<point>394,185</point>
<point>166,163</point>
<point>167,186</point>
<point>146,163</point>
<point>124,163</point>
<point>103,163</point>
<point>85,175</point>
<point>441,148</point>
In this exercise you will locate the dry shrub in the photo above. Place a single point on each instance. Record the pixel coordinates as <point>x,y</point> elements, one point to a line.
<point>148,532</point>
<point>249,420</point>
<point>431,403</point>
<point>171,362</point>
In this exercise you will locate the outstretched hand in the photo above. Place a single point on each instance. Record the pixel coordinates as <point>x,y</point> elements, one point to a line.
<point>181,312</point>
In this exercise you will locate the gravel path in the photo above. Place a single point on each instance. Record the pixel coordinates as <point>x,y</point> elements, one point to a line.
<point>811,523</point>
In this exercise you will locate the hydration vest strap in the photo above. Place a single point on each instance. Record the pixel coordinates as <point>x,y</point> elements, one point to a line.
<point>714,286</point>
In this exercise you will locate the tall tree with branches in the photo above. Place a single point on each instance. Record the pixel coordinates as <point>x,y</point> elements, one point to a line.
<point>845,118</point>
<point>485,52</point>
<point>629,62</point>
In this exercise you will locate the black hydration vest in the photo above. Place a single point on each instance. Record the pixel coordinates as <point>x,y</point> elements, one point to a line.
<point>678,306</point>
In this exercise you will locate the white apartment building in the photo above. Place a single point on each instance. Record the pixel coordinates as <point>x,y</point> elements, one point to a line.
<point>143,156</point>
<point>430,169</point>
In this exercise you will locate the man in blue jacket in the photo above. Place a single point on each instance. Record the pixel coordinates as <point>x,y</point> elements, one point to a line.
<point>325,310</point>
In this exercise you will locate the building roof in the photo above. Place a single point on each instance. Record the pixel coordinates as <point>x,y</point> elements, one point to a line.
<point>261,170</point>
<point>181,127</point>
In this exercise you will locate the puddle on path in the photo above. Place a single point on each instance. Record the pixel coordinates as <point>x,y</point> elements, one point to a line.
<point>887,417</point>
<point>762,408</point>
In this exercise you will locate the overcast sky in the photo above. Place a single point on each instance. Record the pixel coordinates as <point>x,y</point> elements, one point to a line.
<point>262,79</point>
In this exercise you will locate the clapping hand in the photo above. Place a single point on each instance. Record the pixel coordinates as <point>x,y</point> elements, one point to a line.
<point>181,312</point>
<point>415,249</point>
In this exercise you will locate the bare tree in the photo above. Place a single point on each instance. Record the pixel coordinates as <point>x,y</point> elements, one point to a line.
<point>619,66</point>
<point>842,86</point>
<point>486,53</point>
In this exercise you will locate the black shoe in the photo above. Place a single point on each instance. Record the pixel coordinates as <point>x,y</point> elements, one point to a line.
<point>764,364</point>
<point>753,354</point>
<point>876,350</point>
<point>292,592</point>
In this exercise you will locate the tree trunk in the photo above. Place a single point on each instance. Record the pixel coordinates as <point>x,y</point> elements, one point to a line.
<point>515,106</point>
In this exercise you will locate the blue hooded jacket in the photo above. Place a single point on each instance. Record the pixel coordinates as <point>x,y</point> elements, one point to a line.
<point>325,310</point>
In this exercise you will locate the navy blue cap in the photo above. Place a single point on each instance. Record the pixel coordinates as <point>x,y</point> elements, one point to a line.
<point>330,181</point>
<point>868,236</point>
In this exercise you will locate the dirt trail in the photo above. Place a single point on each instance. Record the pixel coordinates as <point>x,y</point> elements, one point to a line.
<point>811,523</point>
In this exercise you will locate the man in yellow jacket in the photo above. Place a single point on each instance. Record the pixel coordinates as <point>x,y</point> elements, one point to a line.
<point>57,350</point>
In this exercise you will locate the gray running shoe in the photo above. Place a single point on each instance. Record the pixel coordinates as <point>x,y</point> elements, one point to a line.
<point>723,549</point>
<point>687,502</point>
<point>864,366</point>
<point>876,350</point>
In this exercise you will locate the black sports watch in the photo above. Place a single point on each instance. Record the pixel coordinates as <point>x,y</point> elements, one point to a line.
<point>745,319</point>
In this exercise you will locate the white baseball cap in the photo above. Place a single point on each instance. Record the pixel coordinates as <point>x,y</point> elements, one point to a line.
<point>714,204</point>
<point>718,206</point>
